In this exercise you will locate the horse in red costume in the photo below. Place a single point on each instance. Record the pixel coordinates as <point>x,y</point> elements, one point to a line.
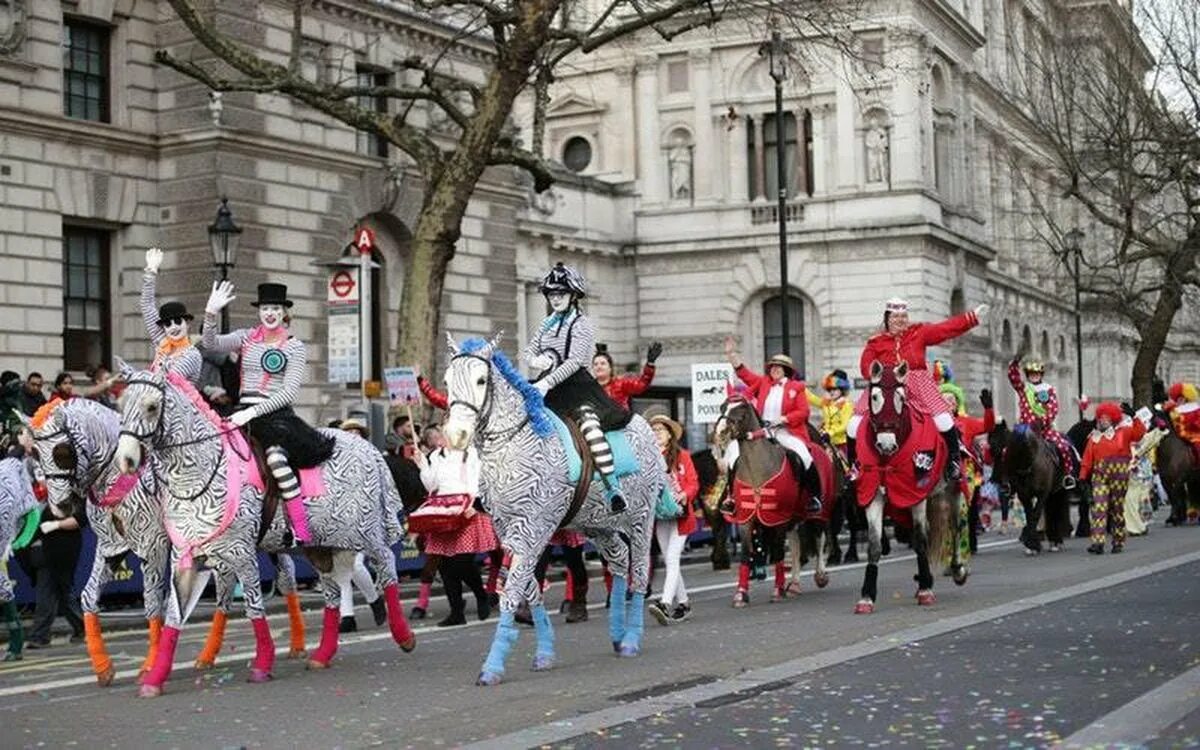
<point>901,456</point>
<point>768,502</point>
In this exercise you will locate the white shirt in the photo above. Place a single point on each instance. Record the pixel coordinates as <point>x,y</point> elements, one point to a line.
<point>446,473</point>
<point>773,406</point>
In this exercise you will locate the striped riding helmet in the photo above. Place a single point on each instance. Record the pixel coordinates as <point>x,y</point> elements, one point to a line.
<point>563,278</point>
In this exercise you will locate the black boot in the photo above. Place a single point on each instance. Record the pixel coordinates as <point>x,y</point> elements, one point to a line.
<point>953,470</point>
<point>379,611</point>
<point>348,624</point>
<point>812,483</point>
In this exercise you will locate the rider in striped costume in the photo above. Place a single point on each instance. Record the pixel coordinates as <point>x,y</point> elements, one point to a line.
<point>167,326</point>
<point>560,352</point>
<point>274,364</point>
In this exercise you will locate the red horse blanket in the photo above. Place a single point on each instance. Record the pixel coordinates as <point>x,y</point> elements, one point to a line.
<point>907,477</point>
<point>781,499</point>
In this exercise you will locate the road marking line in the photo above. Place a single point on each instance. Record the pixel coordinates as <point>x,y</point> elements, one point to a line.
<point>597,720</point>
<point>1141,719</point>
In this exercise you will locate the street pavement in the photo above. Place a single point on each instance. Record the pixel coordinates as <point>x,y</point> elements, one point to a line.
<point>1032,651</point>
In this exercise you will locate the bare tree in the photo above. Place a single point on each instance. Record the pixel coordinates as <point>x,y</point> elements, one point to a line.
<point>1112,146</point>
<point>527,41</point>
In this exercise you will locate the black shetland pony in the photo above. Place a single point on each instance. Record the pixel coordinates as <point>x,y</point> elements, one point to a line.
<point>1028,465</point>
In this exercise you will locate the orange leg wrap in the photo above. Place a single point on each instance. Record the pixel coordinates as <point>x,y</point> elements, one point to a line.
<point>156,625</point>
<point>212,644</point>
<point>295,624</point>
<point>101,663</point>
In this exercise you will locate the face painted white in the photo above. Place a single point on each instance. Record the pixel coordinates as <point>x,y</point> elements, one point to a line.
<point>271,316</point>
<point>177,330</point>
<point>559,301</point>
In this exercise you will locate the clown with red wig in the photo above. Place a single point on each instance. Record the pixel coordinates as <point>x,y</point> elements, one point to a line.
<point>1184,408</point>
<point>1106,463</point>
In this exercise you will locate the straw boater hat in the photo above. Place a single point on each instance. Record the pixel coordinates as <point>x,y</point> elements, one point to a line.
<point>783,361</point>
<point>353,424</point>
<point>672,426</point>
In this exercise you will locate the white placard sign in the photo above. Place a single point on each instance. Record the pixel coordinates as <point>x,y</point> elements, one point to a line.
<point>709,383</point>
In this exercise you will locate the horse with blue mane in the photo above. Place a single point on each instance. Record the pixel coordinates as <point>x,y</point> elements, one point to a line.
<point>535,480</point>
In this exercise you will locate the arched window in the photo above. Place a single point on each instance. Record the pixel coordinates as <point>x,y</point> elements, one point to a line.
<point>1006,338</point>
<point>1026,339</point>
<point>1062,349</point>
<point>679,153</point>
<point>1045,346</point>
<point>958,305</point>
<point>772,311</point>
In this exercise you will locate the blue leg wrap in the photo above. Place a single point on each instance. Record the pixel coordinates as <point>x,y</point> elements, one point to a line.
<point>544,656</point>
<point>502,644</point>
<point>631,644</point>
<point>616,611</point>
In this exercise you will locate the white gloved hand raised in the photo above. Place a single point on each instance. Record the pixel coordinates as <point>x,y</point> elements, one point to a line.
<point>981,311</point>
<point>154,258</point>
<point>222,294</point>
<point>1144,415</point>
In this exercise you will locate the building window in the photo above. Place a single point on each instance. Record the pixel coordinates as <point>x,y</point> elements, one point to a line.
<point>763,158</point>
<point>371,144</point>
<point>772,311</point>
<point>577,153</point>
<point>85,71</point>
<point>872,56</point>
<point>86,334</point>
<point>677,77</point>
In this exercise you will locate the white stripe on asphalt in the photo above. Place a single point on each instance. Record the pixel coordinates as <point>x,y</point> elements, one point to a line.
<point>1140,720</point>
<point>242,656</point>
<point>597,720</point>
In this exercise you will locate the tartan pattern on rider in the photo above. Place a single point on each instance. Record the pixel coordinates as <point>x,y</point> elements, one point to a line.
<point>1110,482</point>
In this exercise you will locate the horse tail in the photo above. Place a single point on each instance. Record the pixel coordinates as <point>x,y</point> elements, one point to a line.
<point>941,514</point>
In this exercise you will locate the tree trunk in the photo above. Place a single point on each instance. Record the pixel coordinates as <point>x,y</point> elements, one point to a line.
<point>1153,338</point>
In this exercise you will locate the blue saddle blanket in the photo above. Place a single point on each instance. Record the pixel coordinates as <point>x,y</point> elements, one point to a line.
<point>624,462</point>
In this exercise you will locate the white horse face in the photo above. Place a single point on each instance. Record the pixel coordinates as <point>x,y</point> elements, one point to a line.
<point>141,415</point>
<point>466,389</point>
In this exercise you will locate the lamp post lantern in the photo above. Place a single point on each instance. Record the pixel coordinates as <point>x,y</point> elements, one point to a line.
<point>1073,242</point>
<point>223,238</point>
<point>776,51</point>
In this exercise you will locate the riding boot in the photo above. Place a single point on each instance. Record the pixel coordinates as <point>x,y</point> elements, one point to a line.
<point>953,470</point>
<point>852,457</point>
<point>289,492</point>
<point>589,425</point>
<point>812,482</point>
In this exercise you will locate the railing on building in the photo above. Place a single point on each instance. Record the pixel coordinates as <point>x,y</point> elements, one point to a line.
<point>770,214</point>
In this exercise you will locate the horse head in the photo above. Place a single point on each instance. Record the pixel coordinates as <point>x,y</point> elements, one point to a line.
<point>142,417</point>
<point>483,390</point>
<point>71,440</point>
<point>889,416</point>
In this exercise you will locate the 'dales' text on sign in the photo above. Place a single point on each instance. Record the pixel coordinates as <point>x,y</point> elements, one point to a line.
<point>709,385</point>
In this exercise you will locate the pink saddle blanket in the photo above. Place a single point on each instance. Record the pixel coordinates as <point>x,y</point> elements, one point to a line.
<point>312,483</point>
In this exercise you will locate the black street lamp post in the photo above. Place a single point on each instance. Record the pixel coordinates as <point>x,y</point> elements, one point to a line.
<point>223,237</point>
<point>776,51</point>
<point>1073,241</point>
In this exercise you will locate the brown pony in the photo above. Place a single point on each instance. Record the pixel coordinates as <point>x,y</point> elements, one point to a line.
<point>902,455</point>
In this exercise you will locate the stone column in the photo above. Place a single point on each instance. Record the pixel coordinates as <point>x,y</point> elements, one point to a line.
<point>847,135</point>
<point>820,150</point>
<point>648,152</point>
<point>702,123</point>
<point>738,162</point>
<point>802,166</point>
<point>760,161</point>
<point>624,147</point>
<point>907,148</point>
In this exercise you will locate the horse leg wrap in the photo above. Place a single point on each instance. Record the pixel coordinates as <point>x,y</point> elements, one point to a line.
<point>870,587</point>
<point>295,624</point>
<point>569,594</point>
<point>16,633</point>
<point>502,644</point>
<point>329,639</point>
<point>631,644</point>
<point>264,651</point>
<point>616,612</point>
<point>289,492</point>
<point>101,663</point>
<point>153,681</point>
<point>401,633</point>
<point>924,575</point>
<point>543,657</point>
<point>744,576</point>
<point>780,576</point>
<point>212,644</point>
<point>423,595</point>
<point>155,625</point>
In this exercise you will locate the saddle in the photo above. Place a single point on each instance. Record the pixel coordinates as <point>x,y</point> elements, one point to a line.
<point>259,476</point>
<point>582,473</point>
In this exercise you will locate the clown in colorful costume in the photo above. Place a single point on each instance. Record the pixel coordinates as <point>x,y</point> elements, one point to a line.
<point>273,368</point>
<point>168,327</point>
<point>560,352</point>
<point>1038,404</point>
<point>781,401</point>
<point>1106,462</point>
<point>1184,408</point>
<point>836,407</point>
<point>903,341</point>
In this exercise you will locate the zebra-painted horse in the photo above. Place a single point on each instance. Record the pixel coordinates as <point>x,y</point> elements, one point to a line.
<point>214,512</point>
<point>902,457</point>
<point>769,504</point>
<point>526,484</point>
<point>74,442</point>
<point>19,516</point>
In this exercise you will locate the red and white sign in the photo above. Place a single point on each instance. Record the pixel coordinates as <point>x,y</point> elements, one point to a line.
<point>364,240</point>
<point>343,287</point>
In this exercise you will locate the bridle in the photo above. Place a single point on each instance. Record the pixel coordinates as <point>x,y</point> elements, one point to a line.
<point>483,412</point>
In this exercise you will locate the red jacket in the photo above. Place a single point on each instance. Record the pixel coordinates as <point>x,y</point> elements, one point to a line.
<point>431,394</point>
<point>689,482</point>
<point>795,399</point>
<point>1102,447</point>
<point>910,346</point>
<point>627,386</point>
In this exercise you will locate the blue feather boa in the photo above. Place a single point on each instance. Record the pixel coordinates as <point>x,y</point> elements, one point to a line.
<point>535,407</point>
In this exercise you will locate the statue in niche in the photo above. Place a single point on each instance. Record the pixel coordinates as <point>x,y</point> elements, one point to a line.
<point>679,166</point>
<point>876,141</point>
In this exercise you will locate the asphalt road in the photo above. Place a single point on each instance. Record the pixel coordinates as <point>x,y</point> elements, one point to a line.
<point>1030,651</point>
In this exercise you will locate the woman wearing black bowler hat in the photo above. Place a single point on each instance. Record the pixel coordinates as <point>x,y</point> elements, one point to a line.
<point>168,327</point>
<point>273,368</point>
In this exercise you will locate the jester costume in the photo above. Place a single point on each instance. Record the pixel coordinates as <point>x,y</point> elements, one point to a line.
<point>1105,463</point>
<point>1038,404</point>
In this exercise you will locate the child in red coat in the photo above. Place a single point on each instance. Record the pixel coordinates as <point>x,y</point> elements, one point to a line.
<point>1106,462</point>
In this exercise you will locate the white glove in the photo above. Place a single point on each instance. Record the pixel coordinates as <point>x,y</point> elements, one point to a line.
<point>542,387</point>
<point>154,257</point>
<point>1144,415</point>
<point>222,295</point>
<point>240,418</point>
<point>540,361</point>
<point>981,311</point>
<point>48,526</point>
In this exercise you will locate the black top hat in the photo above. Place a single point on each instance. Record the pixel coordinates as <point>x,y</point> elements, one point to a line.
<point>272,294</point>
<point>173,311</point>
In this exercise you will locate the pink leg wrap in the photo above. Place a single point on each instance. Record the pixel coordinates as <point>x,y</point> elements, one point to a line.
<point>423,595</point>
<point>569,595</point>
<point>161,670</point>
<point>264,647</point>
<point>744,577</point>
<point>329,636</point>
<point>401,633</point>
<point>298,519</point>
<point>780,575</point>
